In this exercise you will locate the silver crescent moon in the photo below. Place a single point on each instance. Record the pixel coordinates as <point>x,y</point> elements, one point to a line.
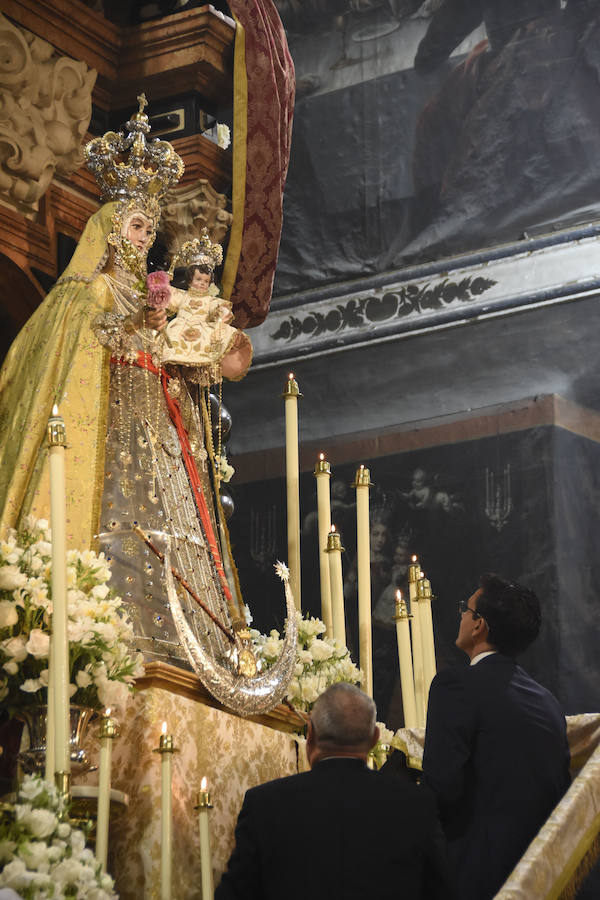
<point>246,696</point>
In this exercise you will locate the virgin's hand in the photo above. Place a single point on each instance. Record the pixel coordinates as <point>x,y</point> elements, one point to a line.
<point>155,318</point>
<point>149,318</point>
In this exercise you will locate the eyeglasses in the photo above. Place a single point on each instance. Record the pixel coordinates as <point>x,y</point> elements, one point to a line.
<point>464,607</point>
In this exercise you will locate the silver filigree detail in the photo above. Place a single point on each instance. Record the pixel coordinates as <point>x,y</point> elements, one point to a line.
<point>149,170</point>
<point>245,696</point>
<point>110,330</point>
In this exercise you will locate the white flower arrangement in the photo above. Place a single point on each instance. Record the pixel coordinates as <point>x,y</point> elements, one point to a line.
<point>224,469</point>
<point>382,749</point>
<point>223,136</point>
<point>321,661</point>
<point>102,667</point>
<point>41,855</point>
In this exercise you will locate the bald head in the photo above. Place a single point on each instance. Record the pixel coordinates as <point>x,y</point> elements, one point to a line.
<point>343,722</point>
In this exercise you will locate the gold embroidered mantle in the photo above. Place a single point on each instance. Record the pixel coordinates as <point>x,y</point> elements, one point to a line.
<point>56,358</point>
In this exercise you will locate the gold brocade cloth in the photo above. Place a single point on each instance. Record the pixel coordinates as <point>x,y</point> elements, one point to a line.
<point>551,860</point>
<point>57,359</point>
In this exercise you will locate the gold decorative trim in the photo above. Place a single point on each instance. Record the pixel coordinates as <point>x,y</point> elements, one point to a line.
<point>562,884</point>
<point>187,684</point>
<point>240,147</point>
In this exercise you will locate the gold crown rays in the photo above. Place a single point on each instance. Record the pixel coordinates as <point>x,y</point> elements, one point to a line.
<point>148,172</point>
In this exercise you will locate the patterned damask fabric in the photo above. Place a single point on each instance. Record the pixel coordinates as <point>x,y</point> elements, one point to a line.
<point>234,754</point>
<point>269,107</point>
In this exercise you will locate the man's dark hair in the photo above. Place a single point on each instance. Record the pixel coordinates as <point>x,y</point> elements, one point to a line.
<point>512,613</point>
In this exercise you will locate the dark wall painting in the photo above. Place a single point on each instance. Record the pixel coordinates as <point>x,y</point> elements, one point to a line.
<point>424,130</point>
<point>518,504</point>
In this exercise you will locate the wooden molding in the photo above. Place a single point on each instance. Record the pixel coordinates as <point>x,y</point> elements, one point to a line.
<point>204,159</point>
<point>26,243</point>
<point>548,409</point>
<point>73,28</point>
<point>195,48</point>
<point>187,51</point>
<point>32,244</point>
<point>178,54</point>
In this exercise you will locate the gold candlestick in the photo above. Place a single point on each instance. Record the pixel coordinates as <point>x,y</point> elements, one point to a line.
<point>407,684</point>
<point>204,799</point>
<point>62,782</point>
<point>166,744</point>
<point>362,483</point>
<point>292,470</point>
<point>334,551</point>
<point>322,466</point>
<point>202,807</point>
<point>57,434</point>
<point>323,476</point>
<point>109,730</point>
<point>166,748</point>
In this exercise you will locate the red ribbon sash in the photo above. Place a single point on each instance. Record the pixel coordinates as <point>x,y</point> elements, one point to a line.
<point>144,361</point>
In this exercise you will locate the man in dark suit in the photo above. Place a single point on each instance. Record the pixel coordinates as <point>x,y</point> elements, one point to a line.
<point>496,752</point>
<point>340,830</point>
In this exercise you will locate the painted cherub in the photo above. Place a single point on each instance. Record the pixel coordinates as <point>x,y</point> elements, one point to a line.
<point>200,334</point>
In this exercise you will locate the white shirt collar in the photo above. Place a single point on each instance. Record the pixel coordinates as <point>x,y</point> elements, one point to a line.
<point>481,656</point>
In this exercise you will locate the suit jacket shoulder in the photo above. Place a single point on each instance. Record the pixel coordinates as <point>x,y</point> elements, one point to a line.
<point>493,735</point>
<point>341,820</point>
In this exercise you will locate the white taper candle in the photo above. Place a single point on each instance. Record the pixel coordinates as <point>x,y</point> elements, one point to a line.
<point>292,474</point>
<point>60,641</point>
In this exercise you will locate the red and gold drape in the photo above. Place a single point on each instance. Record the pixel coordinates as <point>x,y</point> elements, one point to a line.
<point>264,87</point>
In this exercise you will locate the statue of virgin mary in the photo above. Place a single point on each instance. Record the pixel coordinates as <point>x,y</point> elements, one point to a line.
<point>141,475</point>
<point>140,461</point>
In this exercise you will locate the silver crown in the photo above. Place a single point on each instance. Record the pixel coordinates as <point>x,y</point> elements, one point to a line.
<point>145,175</point>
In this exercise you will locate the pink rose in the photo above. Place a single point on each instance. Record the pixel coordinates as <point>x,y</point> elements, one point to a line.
<point>159,290</point>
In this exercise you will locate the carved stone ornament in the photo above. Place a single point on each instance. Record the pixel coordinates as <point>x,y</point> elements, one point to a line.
<point>45,110</point>
<point>189,209</point>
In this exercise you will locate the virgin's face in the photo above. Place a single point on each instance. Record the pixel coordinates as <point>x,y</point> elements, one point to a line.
<point>378,537</point>
<point>200,280</point>
<point>139,230</point>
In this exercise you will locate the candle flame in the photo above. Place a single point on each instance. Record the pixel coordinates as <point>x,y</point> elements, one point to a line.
<point>54,410</point>
<point>107,713</point>
<point>333,527</point>
<point>361,466</point>
<point>164,727</point>
<point>398,594</point>
<point>414,557</point>
<point>421,574</point>
<point>321,456</point>
<point>204,783</point>
<point>291,376</point>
